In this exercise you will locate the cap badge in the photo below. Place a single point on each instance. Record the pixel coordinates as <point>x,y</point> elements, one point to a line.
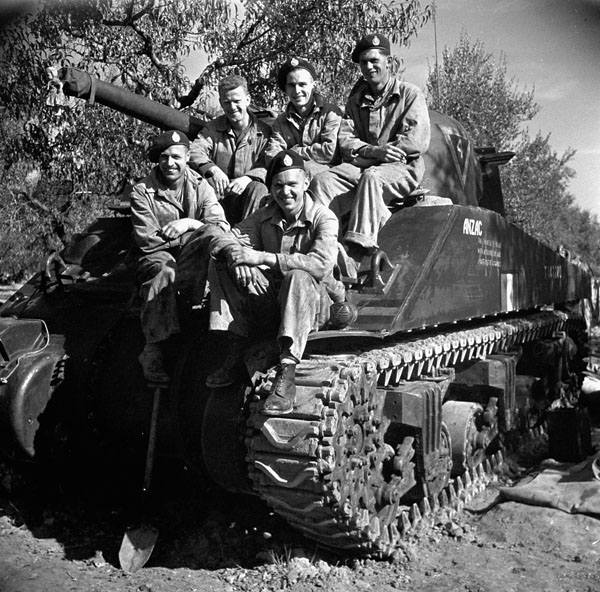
<point>375,41</point>
<point>287,160</point>
<point>294,62</point>
<point>175,137</point>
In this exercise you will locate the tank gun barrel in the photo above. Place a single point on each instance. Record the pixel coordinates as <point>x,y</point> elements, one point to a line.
<point>80,84</point>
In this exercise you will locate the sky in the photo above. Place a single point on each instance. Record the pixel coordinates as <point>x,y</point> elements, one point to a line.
<point>551,47</point>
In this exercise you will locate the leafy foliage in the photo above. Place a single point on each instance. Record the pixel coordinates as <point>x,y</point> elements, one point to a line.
<point>142,45</point>
<point>473,87</point>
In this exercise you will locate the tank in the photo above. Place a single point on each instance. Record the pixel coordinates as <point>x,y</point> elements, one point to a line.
<point>463,335</point>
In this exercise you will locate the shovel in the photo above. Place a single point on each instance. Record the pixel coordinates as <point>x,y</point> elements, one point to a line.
<point>138,543</point>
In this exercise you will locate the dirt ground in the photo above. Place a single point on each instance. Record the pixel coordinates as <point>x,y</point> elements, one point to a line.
<point>61,528</point>
<point>63,531</point>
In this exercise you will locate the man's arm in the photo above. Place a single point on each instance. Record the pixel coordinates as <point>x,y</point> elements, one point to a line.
<point>146,228</point>
<point>257,169</point>
<point>202,151</point>
<point>210,210</point>
<point>322,255</point>
<point>414,129</point>
<point>323,150</point>
<point>245,234</point>
<point>276,142</point>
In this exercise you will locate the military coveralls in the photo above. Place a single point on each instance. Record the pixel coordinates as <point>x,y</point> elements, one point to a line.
<point>301,288</point>
<point>314,137</point>
<point>237,156</point>
<point>362,186</point>
<point>152,206</point>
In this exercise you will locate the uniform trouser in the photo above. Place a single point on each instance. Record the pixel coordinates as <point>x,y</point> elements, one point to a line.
<point>293,306</point>
<point>363,194</point>
<point>161,275</point>
<point>314,168</point>
<point>239,207</point>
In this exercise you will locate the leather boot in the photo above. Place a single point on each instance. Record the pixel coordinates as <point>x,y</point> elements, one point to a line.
<point>283,392</point>
<point>233,364</point>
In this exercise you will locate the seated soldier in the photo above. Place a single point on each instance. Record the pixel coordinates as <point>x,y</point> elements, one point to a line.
<point>229,152</point>
<point>309,125</point>
<point>175,213</point>
<point>382,140</point>
<point>275,269</point>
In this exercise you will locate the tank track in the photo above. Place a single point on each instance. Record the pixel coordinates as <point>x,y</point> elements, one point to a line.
<point>326,468</point>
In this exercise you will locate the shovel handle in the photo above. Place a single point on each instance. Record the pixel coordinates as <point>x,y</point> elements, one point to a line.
<point>152,439</point>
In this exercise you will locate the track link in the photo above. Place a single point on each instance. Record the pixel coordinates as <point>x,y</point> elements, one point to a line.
<point>326,468</point>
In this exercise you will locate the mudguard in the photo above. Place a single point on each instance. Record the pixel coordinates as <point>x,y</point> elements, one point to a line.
<point>30,370</point>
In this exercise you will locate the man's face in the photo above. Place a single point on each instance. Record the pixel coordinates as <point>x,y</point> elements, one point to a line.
<point>235,104</point>
<point>287,189</point>
<point>299,87</point>
<point>375,66</point>
<point>172,162</point>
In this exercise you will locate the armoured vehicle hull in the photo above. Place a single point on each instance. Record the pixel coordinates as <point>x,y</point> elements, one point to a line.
<point>469,331</point>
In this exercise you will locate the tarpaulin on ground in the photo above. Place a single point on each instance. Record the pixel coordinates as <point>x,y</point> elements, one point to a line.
<point>572,488</point>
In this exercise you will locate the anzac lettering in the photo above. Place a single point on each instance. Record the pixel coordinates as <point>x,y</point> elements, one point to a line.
<point>472,227</point>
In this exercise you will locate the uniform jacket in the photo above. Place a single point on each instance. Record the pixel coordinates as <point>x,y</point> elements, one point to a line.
<point>236,157</point>
<point>153,206</point>
<point>309,244</point>
<point>400,116</point>
<point>313,137</point>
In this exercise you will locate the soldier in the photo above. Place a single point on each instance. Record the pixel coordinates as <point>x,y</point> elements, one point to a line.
<point>382,139</point>
<point>175,213</point>
<point>229,152</point>
<point>275,269</point>
<point>309,125</point>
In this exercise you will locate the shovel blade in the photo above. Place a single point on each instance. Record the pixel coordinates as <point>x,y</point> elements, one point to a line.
<point>136,548</point>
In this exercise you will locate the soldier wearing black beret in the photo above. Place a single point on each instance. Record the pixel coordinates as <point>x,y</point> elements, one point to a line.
<point>309,125</point>
<point>165,140</point>
<point>274,271</point>
<point>175,214</point>
<point>382,140</point>
<point>370,42</point>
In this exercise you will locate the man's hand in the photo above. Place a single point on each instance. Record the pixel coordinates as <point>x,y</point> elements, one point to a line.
<point>175,228</point>
<point>387,153</point>
<point>251,278</point>
<point>219,181</point>
<point>239,255</point>
<point>238,186</point>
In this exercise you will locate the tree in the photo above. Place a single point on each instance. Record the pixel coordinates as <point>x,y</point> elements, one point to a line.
<point>473,87</point>
<point>142,45</point>
<point>536,187</point>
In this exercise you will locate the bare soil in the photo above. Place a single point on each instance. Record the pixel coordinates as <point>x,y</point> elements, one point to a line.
<point>61,529</point>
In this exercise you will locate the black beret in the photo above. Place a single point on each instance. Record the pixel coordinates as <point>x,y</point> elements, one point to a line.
<point>291,64</point>
<point>284,161</point>
<point>375,41</point>
<point>166,140</point>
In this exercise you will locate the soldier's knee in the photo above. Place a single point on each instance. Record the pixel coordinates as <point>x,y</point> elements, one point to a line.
<point>299,278</point>
<point>371,175</point>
